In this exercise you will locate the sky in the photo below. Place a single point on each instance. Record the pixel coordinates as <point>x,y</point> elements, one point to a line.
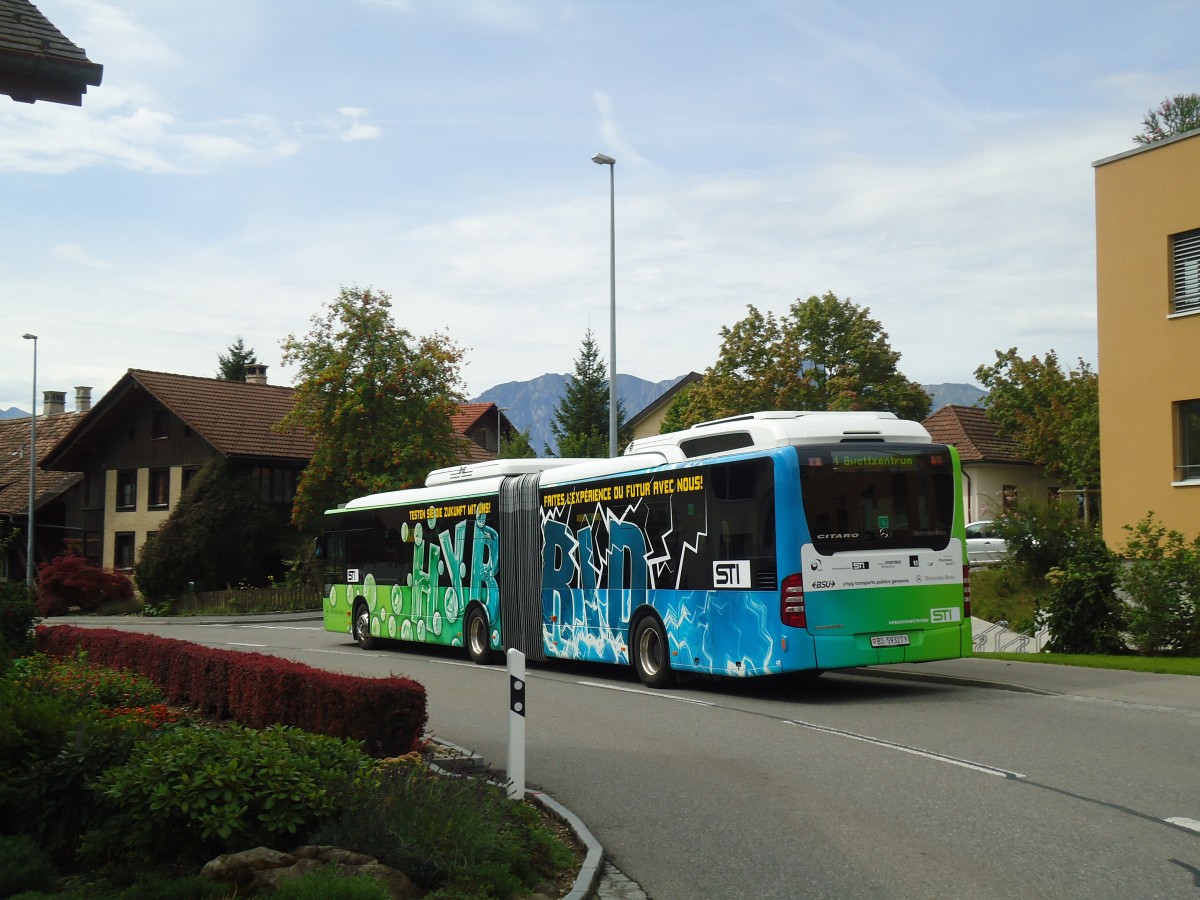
<point>242,161</point>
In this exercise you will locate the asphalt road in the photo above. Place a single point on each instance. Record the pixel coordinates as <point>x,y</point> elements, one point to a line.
<point>965,779</point>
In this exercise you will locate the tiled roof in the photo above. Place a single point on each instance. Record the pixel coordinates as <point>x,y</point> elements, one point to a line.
<point>237,419</point>
<point>976,437</point>
<point>14,461</point>
<point>469,414</point>
<point>37,62</point>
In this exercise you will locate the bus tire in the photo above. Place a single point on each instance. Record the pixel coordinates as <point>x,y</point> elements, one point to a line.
<point>475,636</point>
<point>360,626</point>
<point>652,654</point>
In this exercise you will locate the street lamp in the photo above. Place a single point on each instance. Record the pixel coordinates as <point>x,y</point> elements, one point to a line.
<point>32,467</point>
<point>601,160</point>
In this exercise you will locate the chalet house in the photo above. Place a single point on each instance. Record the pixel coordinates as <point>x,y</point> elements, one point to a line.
<point>993,472</point>
<point>486,426</point>
<point>53,491</point>
<point>37,62</point>
<point>144,440</point>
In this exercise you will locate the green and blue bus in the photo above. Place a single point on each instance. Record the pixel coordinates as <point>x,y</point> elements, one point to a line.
<point>755,545</point>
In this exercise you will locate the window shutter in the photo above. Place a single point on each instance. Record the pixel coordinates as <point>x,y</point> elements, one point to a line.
<point>1185,265</point>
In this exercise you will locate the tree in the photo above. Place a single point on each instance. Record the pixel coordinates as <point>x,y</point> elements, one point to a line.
<point>233,364</point>
<point>377,401</point>
<point>823,354</point>
<point>580,423</point>
<point>1051,414</point>
<point>1173,116</point>
<point>516,445</point>
<point>222,533</point>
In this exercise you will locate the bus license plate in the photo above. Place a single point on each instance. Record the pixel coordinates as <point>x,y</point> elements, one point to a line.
<point>890,640</point>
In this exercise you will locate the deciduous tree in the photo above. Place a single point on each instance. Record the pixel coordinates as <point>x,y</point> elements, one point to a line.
<point>1053,415</point>
<point>377,401</point>
<point>1175,115</point>
<point>823,354</point>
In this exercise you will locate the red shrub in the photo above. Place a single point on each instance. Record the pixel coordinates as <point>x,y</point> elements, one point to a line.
<point>70,581</point>
<point>387,714</point>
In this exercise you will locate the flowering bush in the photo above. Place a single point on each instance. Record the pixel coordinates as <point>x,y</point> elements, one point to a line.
<point>70,581</point>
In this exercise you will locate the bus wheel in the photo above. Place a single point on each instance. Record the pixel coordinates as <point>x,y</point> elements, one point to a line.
<point>651,654</point>
<point>360,626</point>
<point>476,631</point>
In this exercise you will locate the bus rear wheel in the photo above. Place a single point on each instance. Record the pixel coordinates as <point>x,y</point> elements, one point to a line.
<point>475,630</point>
<point>360,626</point>
<point>651,654</point>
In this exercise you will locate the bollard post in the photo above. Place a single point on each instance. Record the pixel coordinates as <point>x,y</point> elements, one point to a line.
<point>516,724</point>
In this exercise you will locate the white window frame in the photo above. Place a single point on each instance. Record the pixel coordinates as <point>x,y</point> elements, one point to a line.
<point>1185,272</point>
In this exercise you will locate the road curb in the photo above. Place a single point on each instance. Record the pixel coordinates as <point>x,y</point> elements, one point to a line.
<point>590,871</point>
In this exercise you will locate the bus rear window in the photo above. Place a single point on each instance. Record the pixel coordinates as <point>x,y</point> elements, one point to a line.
<point>877,497</point>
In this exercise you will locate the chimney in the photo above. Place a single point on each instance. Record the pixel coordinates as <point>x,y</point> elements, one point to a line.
<point>53,403</point>
<point>256,373</point>
<point>83,399</point>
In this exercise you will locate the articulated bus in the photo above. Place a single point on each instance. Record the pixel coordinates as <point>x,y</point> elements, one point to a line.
<point>755,545</point>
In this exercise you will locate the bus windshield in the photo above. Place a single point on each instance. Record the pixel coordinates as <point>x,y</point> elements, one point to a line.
<point>885,497</point>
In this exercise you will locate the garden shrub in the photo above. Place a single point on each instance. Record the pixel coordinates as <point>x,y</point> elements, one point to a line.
<point>70,581</point>
<point>1082,611</point>
<point>329,883</point>
<point>1162,580</point>
<point>195,792</point>
<point>462,835</point>
<point>24,866</point>
<point>18,610</point>
<point>65,723</point>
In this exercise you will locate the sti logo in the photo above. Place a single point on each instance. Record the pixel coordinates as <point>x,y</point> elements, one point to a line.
<point>731,574</point>
<point>352,576</point>
<point>860,565</point>
<point>948,614</point>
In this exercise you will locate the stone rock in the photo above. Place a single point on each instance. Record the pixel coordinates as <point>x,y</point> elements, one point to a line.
<point>263,870</point>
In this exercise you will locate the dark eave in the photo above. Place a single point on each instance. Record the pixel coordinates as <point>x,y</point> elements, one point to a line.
<point>37,62</point>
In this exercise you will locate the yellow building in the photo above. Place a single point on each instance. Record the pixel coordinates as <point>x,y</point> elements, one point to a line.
<point>1148,293</point>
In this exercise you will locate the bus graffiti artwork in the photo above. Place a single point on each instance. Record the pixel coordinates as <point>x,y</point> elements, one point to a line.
<point>758,545</point>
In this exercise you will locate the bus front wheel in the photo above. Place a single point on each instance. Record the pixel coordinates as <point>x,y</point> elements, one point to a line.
<point>360,626</point>
<point>476,629</point>
<point>651,654</point>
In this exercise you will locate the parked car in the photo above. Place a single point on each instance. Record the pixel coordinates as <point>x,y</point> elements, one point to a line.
<point>985,546</point>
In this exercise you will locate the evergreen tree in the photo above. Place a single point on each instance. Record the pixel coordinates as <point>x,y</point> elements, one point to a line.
<point>233,364</point>
<point>580,423</point>
<point>221,533</point>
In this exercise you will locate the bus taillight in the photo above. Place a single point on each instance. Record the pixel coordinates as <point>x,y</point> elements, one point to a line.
<point>966,592</point>
<point>791,602</point>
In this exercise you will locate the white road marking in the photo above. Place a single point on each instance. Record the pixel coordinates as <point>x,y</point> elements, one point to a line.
<point>659,694</point>
<point>904,748</point>
<point>1184,822</point>
<point>237,644</point>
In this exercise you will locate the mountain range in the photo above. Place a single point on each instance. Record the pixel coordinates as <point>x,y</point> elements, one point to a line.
<point>531,404</point>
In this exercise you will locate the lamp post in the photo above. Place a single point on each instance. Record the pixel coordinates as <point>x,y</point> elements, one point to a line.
<point>601,160</point>
<point>32,467</point>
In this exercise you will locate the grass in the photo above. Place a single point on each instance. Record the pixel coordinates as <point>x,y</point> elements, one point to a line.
<point>1157,665</point>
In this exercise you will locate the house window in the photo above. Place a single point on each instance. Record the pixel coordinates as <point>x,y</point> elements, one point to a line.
<point>1187,466</point>
<point>123,550</point>
<point>189,472</point>
<point>275,485</point>
<point>127,489</point>
<point>158,424</point>
<point>1008,495</point>
<point>160,488</point>
<point>1185,272</point>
